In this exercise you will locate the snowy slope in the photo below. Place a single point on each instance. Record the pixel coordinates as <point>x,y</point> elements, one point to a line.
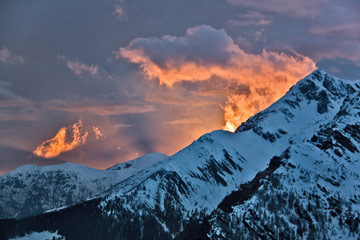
<point>306,143</point>
<point>197,178</point>
<point>314,194</point>
<point>30,190</point>
<point>139,163</point>
<point>40,236</point>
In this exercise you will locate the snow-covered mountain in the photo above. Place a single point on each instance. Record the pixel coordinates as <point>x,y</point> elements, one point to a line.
<point>314,193</point>
<point>139,163</point>
<point>290,171</point>
<point>30,190</point>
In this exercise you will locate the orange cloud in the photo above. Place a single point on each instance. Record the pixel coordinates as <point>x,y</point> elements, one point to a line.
<point>66,139</point>
<point>204,52</point>
<point>98,133</point>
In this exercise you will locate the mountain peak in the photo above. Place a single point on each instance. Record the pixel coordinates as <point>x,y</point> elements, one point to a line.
<point>312,98</point>
<point>320,81</point>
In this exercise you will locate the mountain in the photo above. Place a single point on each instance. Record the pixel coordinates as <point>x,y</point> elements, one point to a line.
<point>290,171</point>
<point>31,190</point>
<point>314,193</point>
<point>139,163</point>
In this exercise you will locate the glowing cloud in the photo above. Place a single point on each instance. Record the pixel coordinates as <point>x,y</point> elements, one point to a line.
<point>66,139</point>
<point>204,52</point>
<point>98,133</point>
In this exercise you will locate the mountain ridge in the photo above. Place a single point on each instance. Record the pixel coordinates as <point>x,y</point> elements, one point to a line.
<point>162,200</point>
<point>31,190</point>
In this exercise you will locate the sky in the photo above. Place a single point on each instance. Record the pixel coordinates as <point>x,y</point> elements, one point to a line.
<point>102,82</point>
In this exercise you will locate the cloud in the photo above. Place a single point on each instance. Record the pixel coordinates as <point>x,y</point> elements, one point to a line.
<point>121,125</point>
<point>14,107</point>
<point>66,139</point>
<point>297,8</point>
<point>204,53</point>
<point>79,68</point>
<point>10,99</point>
<point>98,133</point>
<point>201,53</point>
<point>7,57</point>
<point>251,18</point>
<point>20,114</point>
<point>325,29</point>
<point>252,22</point>
<point>119,12</point>
<point>190,120</point>
<point>107,109</point>
<point>345,30</point>
<point>338,40</point>
<point>180,97</point>
<point>329,47</point>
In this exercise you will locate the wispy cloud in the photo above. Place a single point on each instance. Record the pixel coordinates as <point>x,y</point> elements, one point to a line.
<point>7,57</point>
<point>101,110</point>
<point>121,125</point>
<point>21,114</point>
<point>297,8</point>
<point>119,12</point>
<point>250,18</point>
<point>190,120</point>
<point>249,22</point>
<point>79,68</point>
<point>10,99</point>
<point>16,108</point>
<point>349,31</point>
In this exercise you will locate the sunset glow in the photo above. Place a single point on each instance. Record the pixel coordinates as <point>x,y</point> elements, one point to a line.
<point>268,75</point>
<point>159,119</point>
<point>98,133</point>
<point>66,139</point>
<point>154,76</point>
